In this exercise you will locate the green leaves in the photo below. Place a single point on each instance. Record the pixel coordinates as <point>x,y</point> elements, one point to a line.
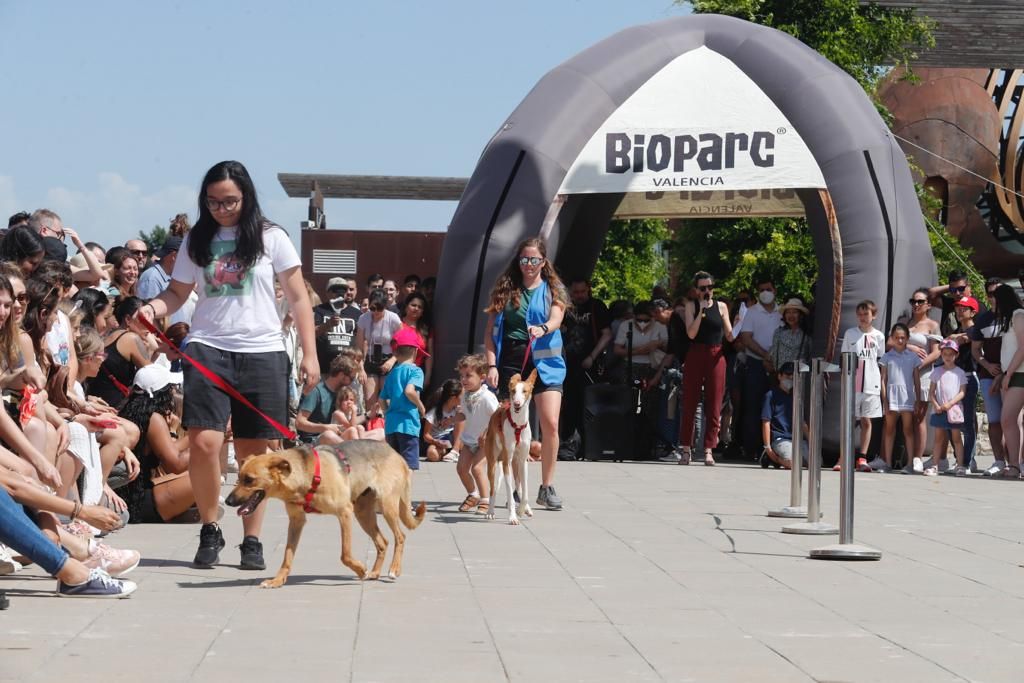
<point>155,238</point>
<point>631,261</point>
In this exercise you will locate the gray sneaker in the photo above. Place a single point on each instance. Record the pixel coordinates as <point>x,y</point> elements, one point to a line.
<point>553,501</point>
<point>542,496</point>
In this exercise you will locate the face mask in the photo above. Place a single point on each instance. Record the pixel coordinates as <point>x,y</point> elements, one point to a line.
<point>786,384</point>
<point>766,297</point>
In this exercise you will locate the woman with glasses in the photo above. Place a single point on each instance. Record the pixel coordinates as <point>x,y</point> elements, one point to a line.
<point>526,308</point>
<point>231,257</point>
<point>924,341</point>
<point>374,331</point>
<point>708,327</point>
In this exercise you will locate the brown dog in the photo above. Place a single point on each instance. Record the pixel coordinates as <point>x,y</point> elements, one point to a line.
<point>359,476</point>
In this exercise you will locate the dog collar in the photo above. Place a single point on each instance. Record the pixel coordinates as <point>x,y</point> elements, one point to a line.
<point>308,504</point>
<point>518,429</point>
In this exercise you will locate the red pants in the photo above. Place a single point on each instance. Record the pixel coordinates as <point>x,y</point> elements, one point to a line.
<point>705,366</point>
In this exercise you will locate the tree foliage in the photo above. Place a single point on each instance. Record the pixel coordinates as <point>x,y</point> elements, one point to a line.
<point>155,238</point>
<point>630,262</point>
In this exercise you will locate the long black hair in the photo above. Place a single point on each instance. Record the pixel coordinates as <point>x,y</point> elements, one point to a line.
<point>251,223</point>
<point>139,406</point>
<point>20,243</point>
<point>1006,303</point>
<point>451,387</point>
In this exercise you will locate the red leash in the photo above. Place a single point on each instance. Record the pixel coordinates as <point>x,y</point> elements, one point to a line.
<point>218,381</point>
<point>526,357</point>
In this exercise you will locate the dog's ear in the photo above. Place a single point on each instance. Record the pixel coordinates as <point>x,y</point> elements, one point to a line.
<point>513,381</point>
<point>531,379</point>
<point>280,466</point>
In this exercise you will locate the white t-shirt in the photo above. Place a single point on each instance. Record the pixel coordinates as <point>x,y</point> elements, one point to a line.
<point>379,332</point>
<point>1010,341</point>
<point>761,324</point>
<point>654,331</point>
<point>869,347</point>
<point>236,309</point>
<point>58,339</point>
<point>477,407</point>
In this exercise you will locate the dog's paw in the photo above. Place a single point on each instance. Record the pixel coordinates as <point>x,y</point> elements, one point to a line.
<point>271,583</point>
<point>489,515</point>
<point>514,521</point>
<point>371,576</point>
<point>525,511</point>
<point>393,575</point>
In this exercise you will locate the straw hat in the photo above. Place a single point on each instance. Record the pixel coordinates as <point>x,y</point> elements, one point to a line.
<point>794,304</point>
<point>80,269</point>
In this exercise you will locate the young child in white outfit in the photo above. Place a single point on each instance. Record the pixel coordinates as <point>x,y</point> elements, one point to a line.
<point>901,387</point>
<point>947,393</point>
<point>477,405</point>
<point>869,344</point>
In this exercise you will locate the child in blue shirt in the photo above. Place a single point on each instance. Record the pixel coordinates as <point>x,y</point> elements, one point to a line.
<point>401,396</point>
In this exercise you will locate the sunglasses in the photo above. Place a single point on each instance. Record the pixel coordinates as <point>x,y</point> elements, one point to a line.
<point>137,252</point>
<point>376,309</point>
<point>706,288</point>
<point>958,290</point>
<point>918,302</point>
<point>21,298</point>
<point>531,260</point>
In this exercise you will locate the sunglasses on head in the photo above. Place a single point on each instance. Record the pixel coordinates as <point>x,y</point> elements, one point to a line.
<point>530,260</point>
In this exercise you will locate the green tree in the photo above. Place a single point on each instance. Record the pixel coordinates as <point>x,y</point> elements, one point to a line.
<point>631,261</point>
<point>155,238</point>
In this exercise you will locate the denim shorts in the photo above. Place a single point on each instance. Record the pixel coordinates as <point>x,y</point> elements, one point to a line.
<point>993,404</point>
<point>260,377</point>
<point>941,421</point>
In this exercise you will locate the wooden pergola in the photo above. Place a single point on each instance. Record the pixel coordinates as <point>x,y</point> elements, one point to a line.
<point>970,33</point>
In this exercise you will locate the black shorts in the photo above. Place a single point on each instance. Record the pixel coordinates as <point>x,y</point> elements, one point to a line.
<point>511,362</point>
<point>260,377</point>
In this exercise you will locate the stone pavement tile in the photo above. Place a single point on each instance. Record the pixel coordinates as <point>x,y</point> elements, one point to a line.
<point>401,648</point>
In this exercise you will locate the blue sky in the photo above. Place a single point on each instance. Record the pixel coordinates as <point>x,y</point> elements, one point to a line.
<point>114,110</point>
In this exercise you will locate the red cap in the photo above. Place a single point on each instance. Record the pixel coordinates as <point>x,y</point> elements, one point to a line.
<point>407,336</point>
<point>968,302</point>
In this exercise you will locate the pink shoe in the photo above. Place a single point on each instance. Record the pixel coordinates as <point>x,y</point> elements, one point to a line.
<point>113,561</point>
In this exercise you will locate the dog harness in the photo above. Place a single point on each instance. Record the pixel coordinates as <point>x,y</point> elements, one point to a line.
<point>307,505</point>
<point>518,429</point>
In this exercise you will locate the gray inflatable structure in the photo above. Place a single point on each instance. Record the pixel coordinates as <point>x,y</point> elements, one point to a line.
<point>868,232</point>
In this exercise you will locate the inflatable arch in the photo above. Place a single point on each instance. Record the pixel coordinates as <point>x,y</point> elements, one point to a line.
<point>662,113</point>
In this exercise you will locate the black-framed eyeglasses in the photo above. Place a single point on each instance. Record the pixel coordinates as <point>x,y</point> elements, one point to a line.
<point>59,234</point>
<point>229,204</point>
<point>918,302</point>
<point>531,260</point>
<point>706,288</point>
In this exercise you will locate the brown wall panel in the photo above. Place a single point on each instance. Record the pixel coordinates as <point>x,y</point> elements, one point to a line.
<point>393,254</point>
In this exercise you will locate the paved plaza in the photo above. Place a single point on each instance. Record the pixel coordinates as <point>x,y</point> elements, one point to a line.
<point>651,572</point>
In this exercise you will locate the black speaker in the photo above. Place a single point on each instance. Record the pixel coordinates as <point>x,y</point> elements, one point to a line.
<point>608,418</point>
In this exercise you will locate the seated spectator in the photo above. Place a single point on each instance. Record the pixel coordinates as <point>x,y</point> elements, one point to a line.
<point>348,415</point>
<point>84,275</point>
<point>438,437</point>
<point>777,422</point>
<point>163,491</point>
<point>313,421</point>
<point>127,351</point>
<point>126,275</point>
<point>58,341</point>
<point>97,311</point>
<point>155,279</point>
<point>139,251</point>
<point>22,247</point>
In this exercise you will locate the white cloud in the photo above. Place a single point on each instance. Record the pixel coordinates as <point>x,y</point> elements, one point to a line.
<point>8,199</point>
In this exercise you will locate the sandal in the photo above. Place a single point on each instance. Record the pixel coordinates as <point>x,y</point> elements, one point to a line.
<point>684,457</point>
<point>709,459</point>
<point>468,504</point>
<point>1005,473</point>
<point>483,508</point>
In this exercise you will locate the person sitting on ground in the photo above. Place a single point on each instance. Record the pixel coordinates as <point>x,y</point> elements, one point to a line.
<point>97,311</point>
<point>313,421</point>
<point>777,422</point>
<point>126,275</point>
<point>347,415</point>
<point>75,578</point>
<point>163,491</point>
<point>22,247</point>
<point>127,351</point>
<point>439,424</point>
<point>401,397</point>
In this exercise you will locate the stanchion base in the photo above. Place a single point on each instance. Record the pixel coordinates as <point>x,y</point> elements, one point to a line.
<point>790,511</point>
<point>811,529</point>
<point>845,551</point>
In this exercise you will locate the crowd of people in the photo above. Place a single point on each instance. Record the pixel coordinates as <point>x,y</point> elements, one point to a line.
<point>97,431</point>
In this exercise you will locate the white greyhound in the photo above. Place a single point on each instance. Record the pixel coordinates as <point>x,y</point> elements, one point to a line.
<point>508,441</point>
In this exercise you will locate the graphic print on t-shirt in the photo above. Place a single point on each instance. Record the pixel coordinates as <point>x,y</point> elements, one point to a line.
<point>226,276</point>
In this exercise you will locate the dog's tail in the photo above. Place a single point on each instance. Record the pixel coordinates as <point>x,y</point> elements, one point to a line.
<point>404,512</point>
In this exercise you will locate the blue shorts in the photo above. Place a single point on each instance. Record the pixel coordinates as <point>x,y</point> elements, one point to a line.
<point>940,421</point>
<point>408,446</point>
<point>993,404</point>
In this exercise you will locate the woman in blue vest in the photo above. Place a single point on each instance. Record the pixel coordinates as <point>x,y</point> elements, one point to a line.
<point>527,305</point>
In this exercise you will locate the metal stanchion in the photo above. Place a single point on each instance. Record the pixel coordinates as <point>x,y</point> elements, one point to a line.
<point>816,527</point>
<point>795,509</point>
<point>846,549</point>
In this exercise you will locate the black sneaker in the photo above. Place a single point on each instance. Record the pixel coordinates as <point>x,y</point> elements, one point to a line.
<point>211,542</point>
<point>252,554</point>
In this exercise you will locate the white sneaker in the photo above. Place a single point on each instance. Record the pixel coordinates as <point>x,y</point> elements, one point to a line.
<point>918,466</point>
<point>995,468</point>
<point>450,456</point>
<point>942,467</point>
<point>931,472</point>
<point>671,456</point>
<point>878,465</point>
<point>7,563</point>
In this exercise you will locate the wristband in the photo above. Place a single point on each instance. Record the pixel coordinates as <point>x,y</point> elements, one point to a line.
<point>492,366</point>
<point>544,326</point>
<point>76,511</point>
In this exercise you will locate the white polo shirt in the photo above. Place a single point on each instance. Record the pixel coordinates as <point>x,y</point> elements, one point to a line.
<point>762,324</point>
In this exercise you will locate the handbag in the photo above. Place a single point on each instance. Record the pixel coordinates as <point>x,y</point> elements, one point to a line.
<point>955,414</point>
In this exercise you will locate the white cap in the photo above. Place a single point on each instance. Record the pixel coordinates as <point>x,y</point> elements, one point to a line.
<point>153,378</point>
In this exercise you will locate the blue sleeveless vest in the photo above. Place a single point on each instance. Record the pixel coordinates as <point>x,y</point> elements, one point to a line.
<point>547,350</point>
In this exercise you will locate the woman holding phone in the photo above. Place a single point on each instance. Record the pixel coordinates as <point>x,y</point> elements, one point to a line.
<point>374,332</point>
